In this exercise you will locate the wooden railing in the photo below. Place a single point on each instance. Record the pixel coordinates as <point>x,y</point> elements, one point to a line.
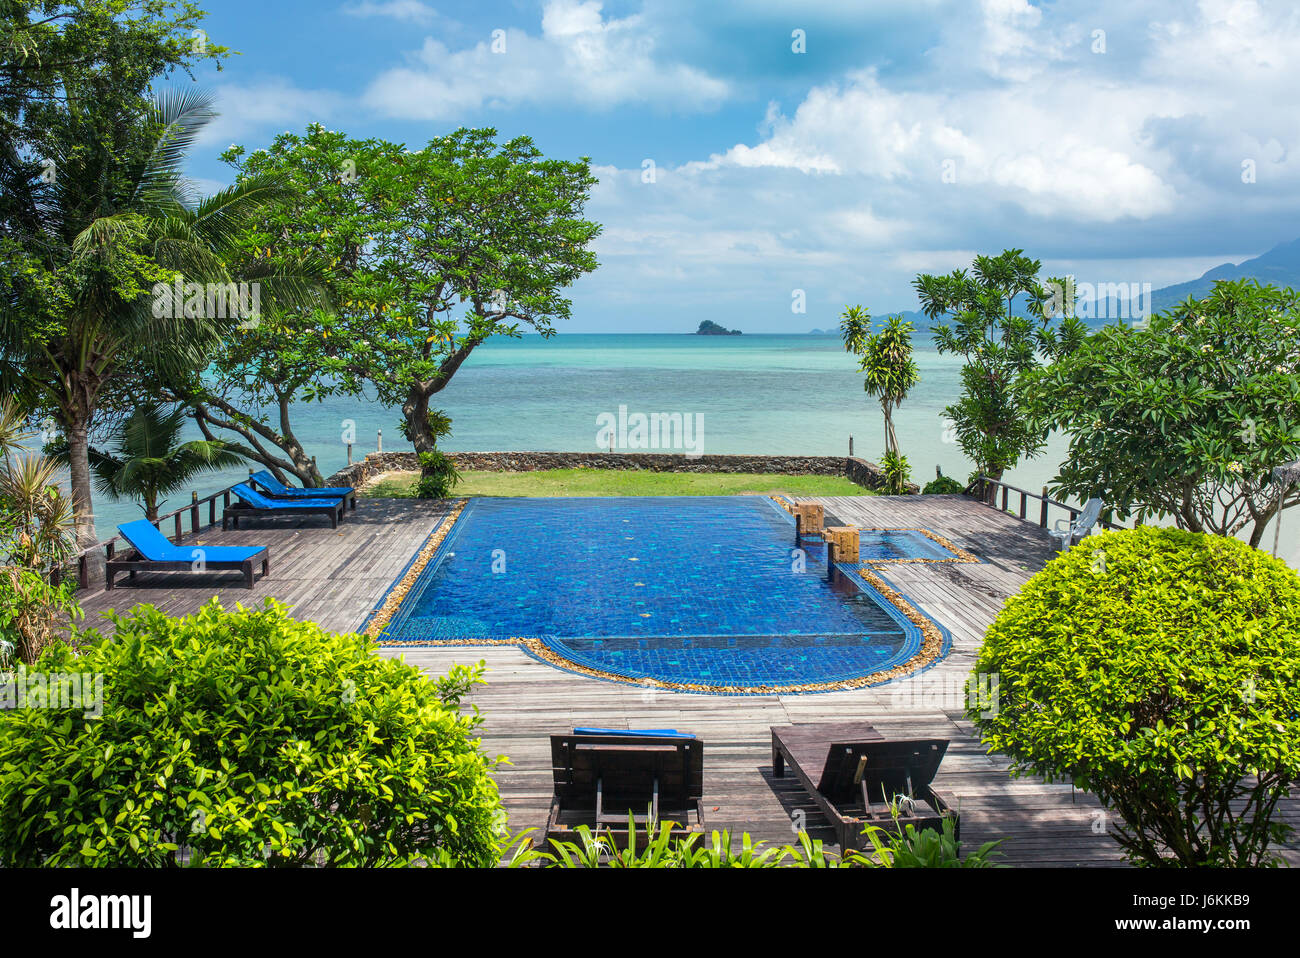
<point>989,491</point>
<point>176,518</point>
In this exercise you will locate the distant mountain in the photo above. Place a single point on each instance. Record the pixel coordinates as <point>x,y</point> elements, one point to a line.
<point>1280,266</point>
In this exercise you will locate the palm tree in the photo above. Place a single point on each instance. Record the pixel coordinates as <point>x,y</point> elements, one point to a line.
<point>148,463</point>
<point>890,371</point>
<point>84,248</point>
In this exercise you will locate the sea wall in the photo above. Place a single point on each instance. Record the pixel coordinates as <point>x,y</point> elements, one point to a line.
<point>864,473</point>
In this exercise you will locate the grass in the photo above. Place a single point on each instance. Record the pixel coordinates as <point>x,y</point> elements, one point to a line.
<point>619,482</point>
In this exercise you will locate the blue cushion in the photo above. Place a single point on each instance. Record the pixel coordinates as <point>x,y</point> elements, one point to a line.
<point>259,501</point>
<point>268,481</point>
<point>656,732</point>
<point>149,542</point>
<point>156,547</point>
<point>222,553</point>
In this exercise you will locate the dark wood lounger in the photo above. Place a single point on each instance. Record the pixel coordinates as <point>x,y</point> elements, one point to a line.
<point>853,774</point>
<point>600,779</point>
<point>134,563</point>
<point>238,510</point>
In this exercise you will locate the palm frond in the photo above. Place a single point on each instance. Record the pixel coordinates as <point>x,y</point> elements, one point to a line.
<point>179,115</point>
<point>13,428</point>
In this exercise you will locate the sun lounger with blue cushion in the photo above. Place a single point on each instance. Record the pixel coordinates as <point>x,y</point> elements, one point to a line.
<point>154,552</point>
<point>275,489</point>
<point>602,776</point>
<point>253,504</point>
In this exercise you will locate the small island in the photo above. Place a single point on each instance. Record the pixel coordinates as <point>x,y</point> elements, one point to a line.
<point>710,328</point>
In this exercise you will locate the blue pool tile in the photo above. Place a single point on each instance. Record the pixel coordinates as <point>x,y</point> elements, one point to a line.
<point>712,597</point>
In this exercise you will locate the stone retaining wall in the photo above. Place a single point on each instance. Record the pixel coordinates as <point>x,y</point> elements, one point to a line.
<point>864,473</point>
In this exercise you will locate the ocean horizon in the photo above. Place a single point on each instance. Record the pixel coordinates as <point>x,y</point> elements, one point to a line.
<point>759,393</point>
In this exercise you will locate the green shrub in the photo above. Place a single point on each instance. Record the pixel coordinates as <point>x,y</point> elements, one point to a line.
<point>247,738</point>
<point>943,486</point>
<point>438,475</point>
<point>1159,669</point>
<point>897,473</point>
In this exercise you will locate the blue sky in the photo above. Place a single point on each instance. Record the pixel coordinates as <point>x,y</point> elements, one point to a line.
<point>1134,141</point>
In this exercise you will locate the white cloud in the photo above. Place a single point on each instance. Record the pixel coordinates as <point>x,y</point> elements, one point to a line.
<point>1019,143</point>
<point>247,109</point>
<point>580,58</point>
<point>405,11</point>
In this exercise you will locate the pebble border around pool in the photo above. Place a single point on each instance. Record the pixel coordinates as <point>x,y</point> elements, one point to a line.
<point>934,641</point>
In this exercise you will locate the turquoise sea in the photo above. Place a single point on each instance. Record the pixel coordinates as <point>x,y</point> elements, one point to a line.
<point>769,394</point>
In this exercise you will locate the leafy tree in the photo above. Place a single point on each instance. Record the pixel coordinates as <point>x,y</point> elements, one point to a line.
<point>1187,417</point>
<point>1157,668</point>
<point>115,226</point>
<point>886,359</point>
<point>433,252</point>
<point>57,56</point>
<point>978,321</point>
<point>149,461</point>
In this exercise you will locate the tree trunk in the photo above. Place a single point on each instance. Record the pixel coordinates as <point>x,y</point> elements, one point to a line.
<point>302,463</point>
<point>297,463</point>
<point>79,480</point>
<point>416,411</point>
<point>891,439</point>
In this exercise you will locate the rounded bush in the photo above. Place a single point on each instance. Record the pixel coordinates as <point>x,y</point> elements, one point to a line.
<point>1160,669</point>
<point>943,486</point>
<point>246,738</point>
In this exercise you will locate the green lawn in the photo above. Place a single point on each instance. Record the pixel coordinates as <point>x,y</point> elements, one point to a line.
<point>617,482</point>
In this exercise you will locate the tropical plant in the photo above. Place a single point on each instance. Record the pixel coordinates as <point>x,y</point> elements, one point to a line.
<point>906,847</point>
<point>36,519</point>
<point>34,614</point>
<point>977,320</point>
<point>1187,416</point>
<point>1160,670</point>
<point>96,252</point>
<point>434,251</point>
<point>148,461</point>
<point>438,475</point>
<point>247,738</point>
<point>897,473</point>
<point>36,539</point>
<point>661,847</point>
<point>886,359</point>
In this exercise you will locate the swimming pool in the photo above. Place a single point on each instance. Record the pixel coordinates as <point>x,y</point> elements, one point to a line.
<point>703,591</point>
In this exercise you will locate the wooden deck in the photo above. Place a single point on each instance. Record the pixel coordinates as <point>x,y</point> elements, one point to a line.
<point>330,576</point>
<point>335,577</point>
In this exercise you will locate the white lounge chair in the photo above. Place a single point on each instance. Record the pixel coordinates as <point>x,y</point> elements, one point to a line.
<point>1072,532</point>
